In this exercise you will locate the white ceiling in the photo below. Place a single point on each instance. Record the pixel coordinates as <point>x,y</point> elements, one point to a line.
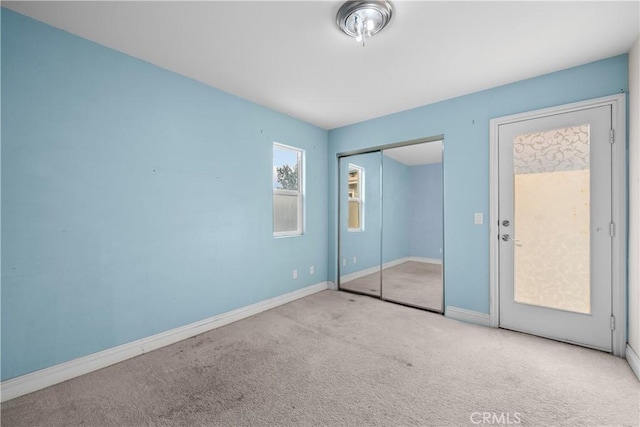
<point>417,154</point>
<point>290,56</point>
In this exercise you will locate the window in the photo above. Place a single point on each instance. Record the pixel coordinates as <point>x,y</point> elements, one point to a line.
<point>287,190</point>
<point>356,198</point>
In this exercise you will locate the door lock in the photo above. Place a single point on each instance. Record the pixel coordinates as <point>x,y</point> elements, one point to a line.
<point>506,238</point>
<point>505,223</point>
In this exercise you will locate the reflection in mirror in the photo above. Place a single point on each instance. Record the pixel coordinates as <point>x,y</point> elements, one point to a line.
<point>413,225</point>
<point>360,204</point>
<point>356,200</point>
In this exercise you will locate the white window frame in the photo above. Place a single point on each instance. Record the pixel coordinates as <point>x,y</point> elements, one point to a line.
<point>299,193</point>
<point>359,199</point>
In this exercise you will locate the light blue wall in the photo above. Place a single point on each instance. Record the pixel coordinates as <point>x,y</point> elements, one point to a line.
<point>464,121</point>
<point>396,182</point>
<point>135,200</point>
<point>364,245</point>
<point>425,211</point>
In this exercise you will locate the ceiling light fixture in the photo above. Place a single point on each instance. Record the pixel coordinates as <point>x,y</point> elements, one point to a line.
<point>362,19</point>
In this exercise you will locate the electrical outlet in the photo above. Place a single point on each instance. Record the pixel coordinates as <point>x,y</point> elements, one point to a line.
<point>355,260</point>
<point>344,262</point>
<point>478,218</point>
<point>312,269</point>
<point>295,274</point>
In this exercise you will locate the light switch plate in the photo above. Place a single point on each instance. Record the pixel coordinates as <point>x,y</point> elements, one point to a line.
<point>478,218</point>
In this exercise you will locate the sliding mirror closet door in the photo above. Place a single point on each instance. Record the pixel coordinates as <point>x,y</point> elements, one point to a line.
<point>360,221</point>
<point>412,224</point>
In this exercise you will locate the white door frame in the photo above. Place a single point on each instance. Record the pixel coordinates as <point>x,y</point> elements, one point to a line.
<point>619,209</point>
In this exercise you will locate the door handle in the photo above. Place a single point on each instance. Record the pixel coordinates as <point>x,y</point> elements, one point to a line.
<point>506,238</point>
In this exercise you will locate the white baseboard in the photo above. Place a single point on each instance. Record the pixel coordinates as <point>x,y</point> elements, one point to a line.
<point>468,316</point>
<point>358,274</point>
<point>47,377</point>
<point>425,260</point>
<point>634,361</point>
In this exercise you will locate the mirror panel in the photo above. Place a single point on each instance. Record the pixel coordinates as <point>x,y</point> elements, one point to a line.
<point>360,222</point>
<point>413,228</point>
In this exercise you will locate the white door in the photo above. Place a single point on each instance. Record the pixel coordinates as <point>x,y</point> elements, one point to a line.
<point>555,210</point>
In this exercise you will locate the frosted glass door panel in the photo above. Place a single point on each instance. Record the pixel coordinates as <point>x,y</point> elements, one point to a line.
<point>551,219</point>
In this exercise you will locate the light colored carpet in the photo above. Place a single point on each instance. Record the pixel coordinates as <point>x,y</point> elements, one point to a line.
<point>414,283</point>
<point>336,358</point>
<point>369,284</point>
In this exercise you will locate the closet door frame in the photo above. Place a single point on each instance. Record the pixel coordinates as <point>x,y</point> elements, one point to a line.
<point>380,149</point>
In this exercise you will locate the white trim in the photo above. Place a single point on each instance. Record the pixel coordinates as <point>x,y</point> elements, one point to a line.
<point>47,377</point>
<point>425,260</point>
<point>634,361</point>
<point>468,316</point>
<point>619,269</point>
<point>358,274</point>
<point>619,217</point>
<point>494,294</point>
